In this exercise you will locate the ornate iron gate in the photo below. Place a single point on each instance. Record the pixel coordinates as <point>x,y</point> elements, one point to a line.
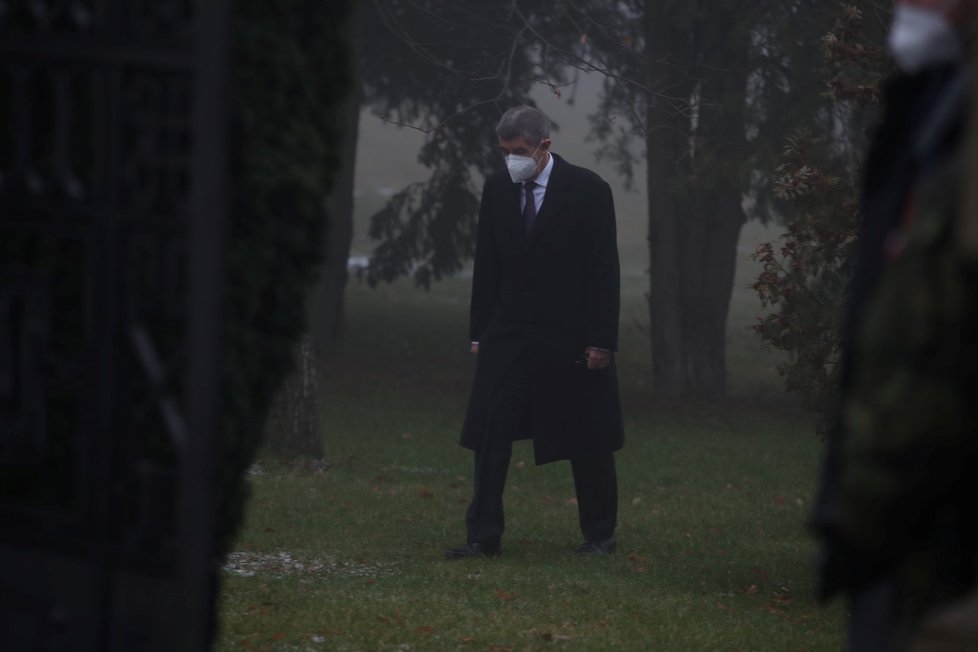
<point>113,165</point>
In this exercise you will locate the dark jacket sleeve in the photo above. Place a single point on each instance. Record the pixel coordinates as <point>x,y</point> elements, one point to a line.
<point>485,275</point>
<point>603,275</point>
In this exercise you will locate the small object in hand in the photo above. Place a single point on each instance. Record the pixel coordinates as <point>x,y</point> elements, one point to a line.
<point>597,358</point>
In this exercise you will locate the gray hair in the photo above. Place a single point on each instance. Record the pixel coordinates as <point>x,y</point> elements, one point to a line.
<point>524,121</point>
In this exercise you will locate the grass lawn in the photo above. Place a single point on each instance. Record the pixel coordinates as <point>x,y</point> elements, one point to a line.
<point>713,554</point>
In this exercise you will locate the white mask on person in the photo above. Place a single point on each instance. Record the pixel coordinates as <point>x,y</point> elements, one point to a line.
<point>922,37</point>
<point>521,168</point>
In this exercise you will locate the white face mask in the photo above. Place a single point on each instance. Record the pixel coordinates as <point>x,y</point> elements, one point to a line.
<point>521,168</point>
<point>920,38</point>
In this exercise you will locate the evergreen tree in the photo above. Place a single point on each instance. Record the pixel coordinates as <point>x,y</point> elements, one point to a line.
<point>459,67</point>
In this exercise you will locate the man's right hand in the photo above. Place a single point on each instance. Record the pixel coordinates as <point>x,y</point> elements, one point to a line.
<point>474,350</point>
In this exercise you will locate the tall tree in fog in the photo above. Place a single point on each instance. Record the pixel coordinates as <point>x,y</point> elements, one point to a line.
<point>450,69</point>
<point>703,92</point>
<point>447,69</point>
<point>327,305</point>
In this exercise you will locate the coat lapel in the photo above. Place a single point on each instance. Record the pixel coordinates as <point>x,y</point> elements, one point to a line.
<point>553,201</point>
<point>515,223</point>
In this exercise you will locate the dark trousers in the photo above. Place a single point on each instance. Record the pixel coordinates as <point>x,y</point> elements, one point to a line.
<point>595,480</point>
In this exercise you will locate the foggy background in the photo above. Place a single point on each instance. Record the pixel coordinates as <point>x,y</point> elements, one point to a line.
<point>387,162</point>
<point>176,197</point>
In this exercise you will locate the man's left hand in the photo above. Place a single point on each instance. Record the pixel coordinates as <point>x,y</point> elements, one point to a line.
<point>597,358</point>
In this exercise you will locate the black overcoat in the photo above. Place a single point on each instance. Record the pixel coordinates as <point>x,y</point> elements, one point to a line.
<point>548,296</point>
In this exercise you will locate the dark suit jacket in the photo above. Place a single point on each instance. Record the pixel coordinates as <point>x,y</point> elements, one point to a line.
<point>548,296</point>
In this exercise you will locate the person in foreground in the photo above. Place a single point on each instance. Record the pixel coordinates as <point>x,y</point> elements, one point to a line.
<point>896,506</point>
<point>544,327</point>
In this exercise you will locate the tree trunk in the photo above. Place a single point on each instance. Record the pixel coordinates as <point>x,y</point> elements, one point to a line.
<point>292,428</point>
<point>695,212</point>
<point>329,309</point>
<point>666,269</point>
<point>328,314</point>
<point>667,135</point>
<point>711,255</point>
<point>692,249</point>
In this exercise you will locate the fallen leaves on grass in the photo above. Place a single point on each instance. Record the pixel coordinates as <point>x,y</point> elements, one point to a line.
<point>779,602</point>
<point>773,608</point>
<point>424,492</point>
<point>556,633</point>
<point>639,563</point>
<point>263,609</point>
<point>394,617</point>
<point>506,596</point>
<point>760,574</point>
<point>782,597</point>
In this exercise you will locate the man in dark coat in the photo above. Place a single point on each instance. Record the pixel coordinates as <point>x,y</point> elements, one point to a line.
<point>544,325</point>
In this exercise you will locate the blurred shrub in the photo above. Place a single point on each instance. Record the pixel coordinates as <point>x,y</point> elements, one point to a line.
<point>805,276</point>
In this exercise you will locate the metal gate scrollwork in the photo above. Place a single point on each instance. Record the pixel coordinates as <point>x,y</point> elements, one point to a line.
<point>113,195</point>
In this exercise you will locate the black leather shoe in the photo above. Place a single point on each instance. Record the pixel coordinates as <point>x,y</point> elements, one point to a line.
<point>605,547</point>
<point>473,550</point>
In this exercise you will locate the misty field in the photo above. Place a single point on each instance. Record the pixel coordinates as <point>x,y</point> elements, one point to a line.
<point>713,552</point>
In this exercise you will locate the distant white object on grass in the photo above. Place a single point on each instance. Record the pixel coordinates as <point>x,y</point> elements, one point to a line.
<point>357,263</point>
